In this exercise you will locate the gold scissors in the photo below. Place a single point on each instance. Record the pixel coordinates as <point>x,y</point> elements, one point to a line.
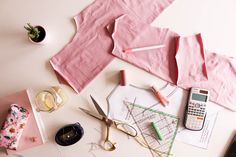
<point>122,126</point>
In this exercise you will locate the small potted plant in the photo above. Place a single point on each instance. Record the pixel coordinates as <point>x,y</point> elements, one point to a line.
<point>36,33</point>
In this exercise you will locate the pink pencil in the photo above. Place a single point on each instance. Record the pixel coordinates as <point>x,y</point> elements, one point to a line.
<point>143,48</point>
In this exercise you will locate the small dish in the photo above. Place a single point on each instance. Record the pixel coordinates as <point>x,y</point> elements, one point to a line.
<point>69,134</point>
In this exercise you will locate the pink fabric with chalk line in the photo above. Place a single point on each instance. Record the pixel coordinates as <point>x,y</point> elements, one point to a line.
<point>90,50</point>
<point>183,60</point>
<point>129,33</point>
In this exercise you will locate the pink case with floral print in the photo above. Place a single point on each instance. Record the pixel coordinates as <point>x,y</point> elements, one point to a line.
<point>13,127</point>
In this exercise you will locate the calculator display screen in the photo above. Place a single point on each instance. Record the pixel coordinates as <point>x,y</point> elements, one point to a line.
<point>199,97</point>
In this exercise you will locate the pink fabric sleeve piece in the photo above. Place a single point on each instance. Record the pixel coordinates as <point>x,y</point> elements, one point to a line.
<point>131,34</point>
<point>146,10</point>
<point>13,127</point>
<point>221,79</point>
<point>190,61</point>
<point>100,10</point>
<point>221,71</point>
<point>90,50</point>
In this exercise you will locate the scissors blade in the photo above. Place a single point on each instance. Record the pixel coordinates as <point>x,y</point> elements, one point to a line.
<point>99,117</point>
<point>99,109</point>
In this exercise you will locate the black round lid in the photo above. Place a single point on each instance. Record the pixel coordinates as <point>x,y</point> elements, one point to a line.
<point>69,134</point>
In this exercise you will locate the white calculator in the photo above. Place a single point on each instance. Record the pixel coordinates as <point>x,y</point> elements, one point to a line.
<point>195,112</point>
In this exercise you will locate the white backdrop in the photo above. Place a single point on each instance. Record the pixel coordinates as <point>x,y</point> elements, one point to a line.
<point>24,65</point>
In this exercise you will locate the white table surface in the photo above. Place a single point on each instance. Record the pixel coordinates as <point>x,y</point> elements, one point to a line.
<point>24,65</point>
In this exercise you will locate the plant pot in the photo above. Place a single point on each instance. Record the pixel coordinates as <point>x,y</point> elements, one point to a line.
<point>42,35</point>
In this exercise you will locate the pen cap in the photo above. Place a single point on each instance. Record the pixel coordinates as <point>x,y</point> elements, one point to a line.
<point>155,87</point>
<point>160,96</point>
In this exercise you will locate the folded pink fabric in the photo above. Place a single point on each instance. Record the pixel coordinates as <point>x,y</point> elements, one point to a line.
<point>13,127</point>
<point>89,51</point>
<point>182,61</point>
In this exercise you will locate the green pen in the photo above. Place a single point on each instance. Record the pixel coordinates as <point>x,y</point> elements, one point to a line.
<point>157,130</point>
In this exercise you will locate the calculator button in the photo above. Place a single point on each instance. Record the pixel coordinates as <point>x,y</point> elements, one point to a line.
<point>199,118</point>
<point>197,105</point>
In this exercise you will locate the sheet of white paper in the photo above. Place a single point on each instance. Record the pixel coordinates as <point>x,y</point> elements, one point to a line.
<point>176,96</point>
<point>200,138</point>
<point>177,101</point>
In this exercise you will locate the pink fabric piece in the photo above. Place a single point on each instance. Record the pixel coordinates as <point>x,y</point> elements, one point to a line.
<point>129,34</point>
<point>182,61</point>
<point>190,60</point>
<point>221,72</point>
<point>89,51</point>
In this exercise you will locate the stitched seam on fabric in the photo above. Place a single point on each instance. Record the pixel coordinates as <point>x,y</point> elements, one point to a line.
<point>65,77</point>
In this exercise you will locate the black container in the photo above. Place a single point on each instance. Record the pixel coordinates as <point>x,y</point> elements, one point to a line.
<point>69,134</point>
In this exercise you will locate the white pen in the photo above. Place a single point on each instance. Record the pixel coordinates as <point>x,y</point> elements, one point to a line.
<point>143,48</point>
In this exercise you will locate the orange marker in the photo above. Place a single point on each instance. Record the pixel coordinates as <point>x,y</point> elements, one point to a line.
<point>159,96</point>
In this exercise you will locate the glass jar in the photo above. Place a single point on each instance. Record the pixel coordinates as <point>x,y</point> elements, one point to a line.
<point>50,99</point>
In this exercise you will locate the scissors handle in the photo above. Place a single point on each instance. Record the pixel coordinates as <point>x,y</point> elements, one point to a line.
<point>125,128</point>
<point>108,145</point>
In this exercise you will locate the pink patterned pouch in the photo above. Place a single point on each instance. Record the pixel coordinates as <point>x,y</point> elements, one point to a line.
<point>13,127</point>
